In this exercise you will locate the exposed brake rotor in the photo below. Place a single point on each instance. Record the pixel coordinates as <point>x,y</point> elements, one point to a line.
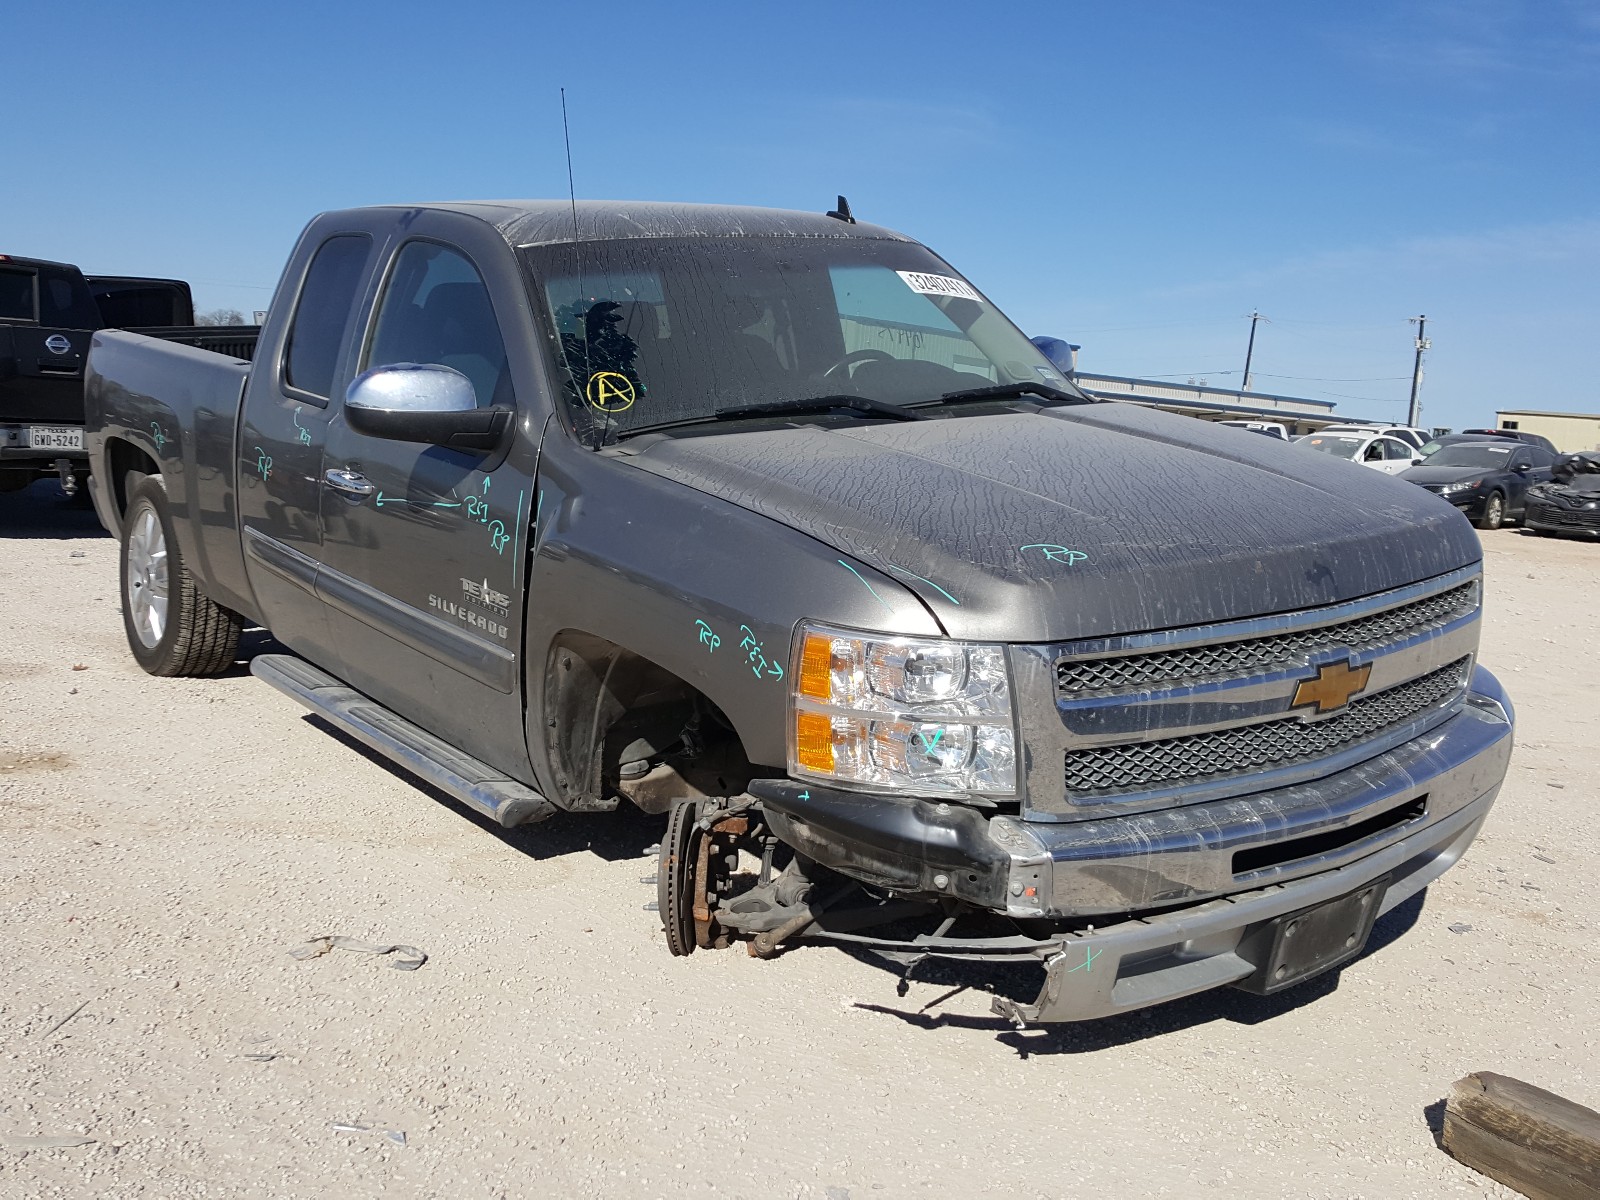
<point>675,876</point>
<point>697,857</point>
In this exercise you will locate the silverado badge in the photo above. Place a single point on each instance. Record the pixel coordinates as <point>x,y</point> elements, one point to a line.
<point>1332,688</point>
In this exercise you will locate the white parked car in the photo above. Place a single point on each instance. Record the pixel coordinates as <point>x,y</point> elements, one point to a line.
<point>1406,433</point>
<point>1387,454</point>
<point>1269,429</point>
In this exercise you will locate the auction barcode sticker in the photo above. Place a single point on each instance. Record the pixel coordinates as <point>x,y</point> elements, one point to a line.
<point>938,285</point>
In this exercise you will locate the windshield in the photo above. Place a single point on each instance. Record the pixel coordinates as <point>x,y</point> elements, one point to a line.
<point>650,331</point>
<point>1338,445</point>
<point>1469,454</point>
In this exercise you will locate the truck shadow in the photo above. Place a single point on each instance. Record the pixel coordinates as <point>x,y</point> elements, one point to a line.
<point>614,836</point>
<point>43,510</point>
<point>1022,983</point>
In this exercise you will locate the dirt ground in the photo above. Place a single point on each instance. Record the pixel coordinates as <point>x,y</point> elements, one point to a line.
<point>166,842</point>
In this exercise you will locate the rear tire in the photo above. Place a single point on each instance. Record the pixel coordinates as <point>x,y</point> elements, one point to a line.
<point>1494,512</point>
<point>173,627</point>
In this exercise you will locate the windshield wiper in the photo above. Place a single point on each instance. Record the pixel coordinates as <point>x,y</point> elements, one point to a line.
<point>730,412</point>
<point>1012,391</point>
<point>865,404</point>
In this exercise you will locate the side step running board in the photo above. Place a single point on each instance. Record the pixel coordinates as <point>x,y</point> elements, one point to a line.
<point>469,780</point>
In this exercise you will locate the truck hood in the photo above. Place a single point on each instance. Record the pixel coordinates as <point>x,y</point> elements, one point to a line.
<point>1077,522</point>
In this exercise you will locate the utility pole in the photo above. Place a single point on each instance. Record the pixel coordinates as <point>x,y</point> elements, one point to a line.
<point>1415,411</point>
<point>1250,349</point>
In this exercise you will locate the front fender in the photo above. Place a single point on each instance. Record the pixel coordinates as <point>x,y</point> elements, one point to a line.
<point>701,587</point>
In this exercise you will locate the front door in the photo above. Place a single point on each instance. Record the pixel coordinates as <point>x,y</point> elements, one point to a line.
<point>422,547</point>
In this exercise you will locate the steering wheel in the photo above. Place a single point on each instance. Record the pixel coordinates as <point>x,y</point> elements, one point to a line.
<point>854,357</point>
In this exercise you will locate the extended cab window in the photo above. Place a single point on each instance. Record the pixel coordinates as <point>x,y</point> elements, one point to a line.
<point>16,295</point>
<point>327,303</point>
<point>435,309</point>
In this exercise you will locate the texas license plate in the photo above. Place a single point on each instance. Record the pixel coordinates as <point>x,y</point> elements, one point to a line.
<point>1298,945</point>
<point>55,437</point>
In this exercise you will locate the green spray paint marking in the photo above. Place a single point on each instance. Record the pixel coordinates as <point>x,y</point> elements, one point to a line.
<point>930,747</point>
<point>516,546</point>
<point>1086,966</point>
<point>1057,553</point>
<point>929,582</point>
<point>866,585</point>
<point>161,438</point>
<point>305,434</point>
<point>382,500</point>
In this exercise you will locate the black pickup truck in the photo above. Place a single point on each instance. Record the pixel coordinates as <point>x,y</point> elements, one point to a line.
<point>48,311</point>
<point>771,523</point>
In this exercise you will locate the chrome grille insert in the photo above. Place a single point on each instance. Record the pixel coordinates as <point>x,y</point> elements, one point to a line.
<point>1108,771</point>
<point>1225,660</point>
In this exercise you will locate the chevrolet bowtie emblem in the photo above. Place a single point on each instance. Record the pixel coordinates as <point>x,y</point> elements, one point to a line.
<point>1332,688</point>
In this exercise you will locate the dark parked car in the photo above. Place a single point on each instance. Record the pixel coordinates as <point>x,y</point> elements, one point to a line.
<point>1531,439</point>
<point>1570,501</point>
<point>1487,479</point>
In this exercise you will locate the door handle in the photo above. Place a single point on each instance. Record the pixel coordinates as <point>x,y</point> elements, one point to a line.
<point>351,483</point>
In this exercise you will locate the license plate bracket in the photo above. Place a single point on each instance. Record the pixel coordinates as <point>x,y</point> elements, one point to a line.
<point>1295,946</point>
<point>55,437</point>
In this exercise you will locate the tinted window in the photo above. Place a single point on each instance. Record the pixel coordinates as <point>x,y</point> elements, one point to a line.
<point>16,296</point>
<point>327,302</point>
<point>436,309</point>
<point>65,301</point>
<point>1540,457</point>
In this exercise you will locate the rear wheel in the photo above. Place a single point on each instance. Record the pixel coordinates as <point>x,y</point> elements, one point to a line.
<point>1494,512</point>
<point>173,627</point>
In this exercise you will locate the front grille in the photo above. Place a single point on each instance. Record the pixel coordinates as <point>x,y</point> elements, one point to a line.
<point>1281,743</point>
<point>1360,635</point>
<point>1549,514</point>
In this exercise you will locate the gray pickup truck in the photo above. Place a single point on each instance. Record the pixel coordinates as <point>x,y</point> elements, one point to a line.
<point>773,524</point>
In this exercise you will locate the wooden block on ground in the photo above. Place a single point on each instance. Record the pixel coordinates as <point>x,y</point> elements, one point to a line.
<point>1524,1137</point>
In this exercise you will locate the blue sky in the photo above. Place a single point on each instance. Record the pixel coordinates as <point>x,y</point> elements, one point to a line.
<point>1135,177</point>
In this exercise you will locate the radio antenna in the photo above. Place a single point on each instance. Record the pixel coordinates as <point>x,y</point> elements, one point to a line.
<point>572,192</point>
<point>577,243</point>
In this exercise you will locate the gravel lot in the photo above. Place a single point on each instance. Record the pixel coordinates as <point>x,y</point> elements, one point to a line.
<point>168,841</point>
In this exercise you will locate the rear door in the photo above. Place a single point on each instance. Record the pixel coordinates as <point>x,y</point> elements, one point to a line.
<point>282,432</point>
<point>423,547</point>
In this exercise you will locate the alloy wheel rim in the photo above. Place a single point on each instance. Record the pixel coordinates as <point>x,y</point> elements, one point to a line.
<point>147,578</point>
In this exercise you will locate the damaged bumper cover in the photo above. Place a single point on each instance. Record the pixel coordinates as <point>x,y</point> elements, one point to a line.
<point>1187,892</point>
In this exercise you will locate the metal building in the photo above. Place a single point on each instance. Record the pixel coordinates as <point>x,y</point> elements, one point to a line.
<point>1569,431</point>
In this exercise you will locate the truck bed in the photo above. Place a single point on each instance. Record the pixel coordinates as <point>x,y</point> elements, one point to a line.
<point>179,405</point>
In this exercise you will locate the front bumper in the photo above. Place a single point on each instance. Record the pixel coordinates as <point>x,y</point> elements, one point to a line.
<point>1558,518</point>
<point>1182,889</point>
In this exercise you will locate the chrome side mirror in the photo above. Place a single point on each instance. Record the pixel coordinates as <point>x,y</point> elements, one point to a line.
<point>420,402</point>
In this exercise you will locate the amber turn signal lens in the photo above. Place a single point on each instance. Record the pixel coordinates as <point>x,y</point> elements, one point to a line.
<point>813,741</point>
<point>816,661</point>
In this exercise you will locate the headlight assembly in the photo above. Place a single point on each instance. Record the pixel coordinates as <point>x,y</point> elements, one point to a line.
<point>917,715</point>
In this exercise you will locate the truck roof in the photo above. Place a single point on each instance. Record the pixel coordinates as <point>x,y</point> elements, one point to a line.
<point>541,222</point>
<point>17,260</point>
